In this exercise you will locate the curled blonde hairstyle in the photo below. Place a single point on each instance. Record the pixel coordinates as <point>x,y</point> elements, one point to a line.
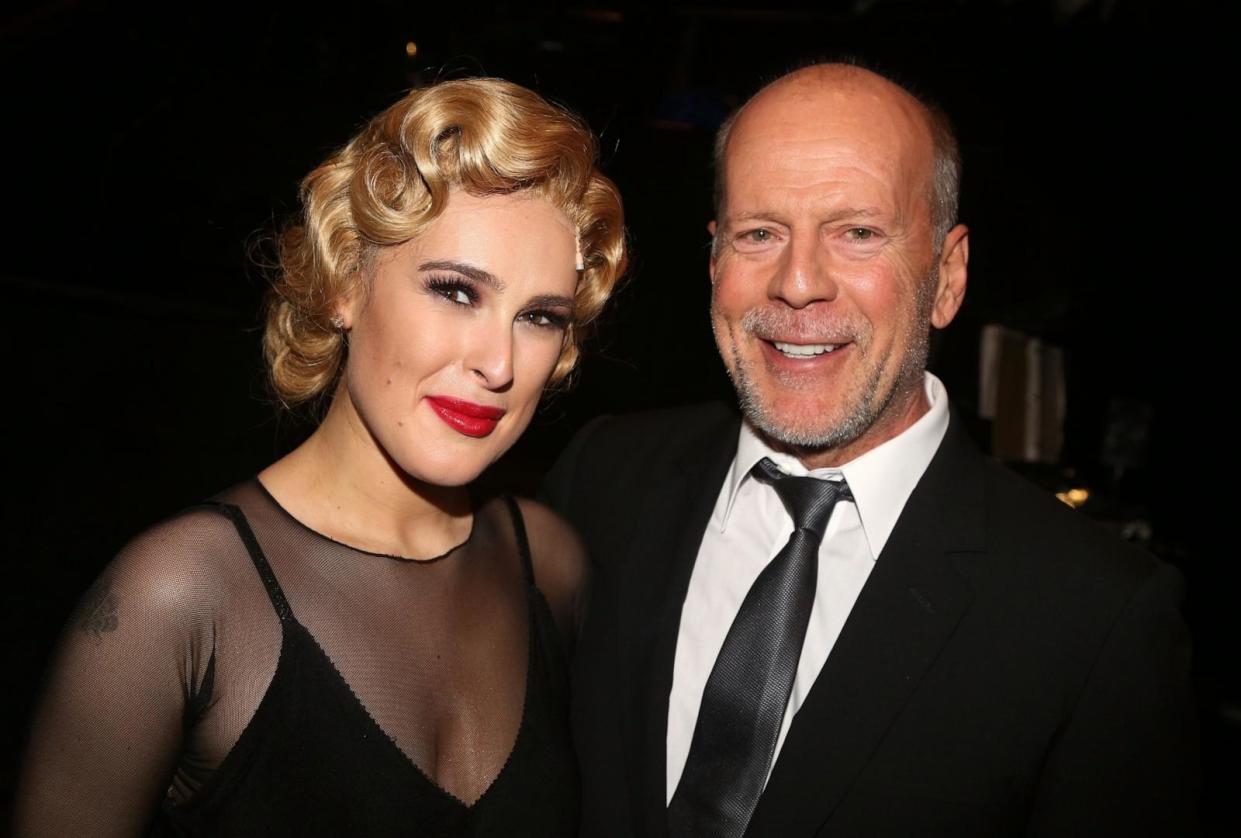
<point>483,136</point>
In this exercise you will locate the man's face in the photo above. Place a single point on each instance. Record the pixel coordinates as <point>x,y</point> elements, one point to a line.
<point>825,280</point>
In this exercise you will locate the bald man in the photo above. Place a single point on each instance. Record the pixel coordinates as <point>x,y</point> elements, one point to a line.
<point>831,614</point>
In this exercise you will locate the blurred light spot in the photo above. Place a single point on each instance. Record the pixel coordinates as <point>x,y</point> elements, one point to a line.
<point>1074,497</point>
<point>411,49</point>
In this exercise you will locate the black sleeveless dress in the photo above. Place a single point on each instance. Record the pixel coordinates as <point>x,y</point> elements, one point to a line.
<point>264,679</point>
<point>295,685</point>
<point>313,761</point>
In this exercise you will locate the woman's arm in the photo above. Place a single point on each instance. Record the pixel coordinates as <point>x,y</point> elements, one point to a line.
<point>107,731</point>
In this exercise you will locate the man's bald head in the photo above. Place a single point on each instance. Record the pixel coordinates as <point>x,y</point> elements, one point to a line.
<point>811,85</point>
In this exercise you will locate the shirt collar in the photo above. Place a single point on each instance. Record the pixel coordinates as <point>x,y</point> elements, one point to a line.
<point>881,480</point>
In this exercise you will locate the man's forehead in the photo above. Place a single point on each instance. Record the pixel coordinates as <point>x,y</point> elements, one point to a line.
<point>881,119</point>
<point>795,131</point>
<point>845,84</point>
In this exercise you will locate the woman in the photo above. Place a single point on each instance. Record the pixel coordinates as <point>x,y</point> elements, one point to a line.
<point>347,644</point>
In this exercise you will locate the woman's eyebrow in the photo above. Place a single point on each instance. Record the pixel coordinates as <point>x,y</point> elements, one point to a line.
<point>468,271</point>
<point>551,301</point>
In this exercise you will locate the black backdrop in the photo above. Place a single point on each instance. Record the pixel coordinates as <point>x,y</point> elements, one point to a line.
<point>147,152</point>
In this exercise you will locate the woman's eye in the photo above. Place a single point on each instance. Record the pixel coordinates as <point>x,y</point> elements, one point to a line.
<point>454,291</point>
<point>546,319</point>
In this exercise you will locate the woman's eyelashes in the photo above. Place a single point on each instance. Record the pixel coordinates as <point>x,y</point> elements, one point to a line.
<point>453,289</point>
<point>545,318</point>
<point>458,291</point>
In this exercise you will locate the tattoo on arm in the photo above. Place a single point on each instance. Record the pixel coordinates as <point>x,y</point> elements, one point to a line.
<point>98,613</point>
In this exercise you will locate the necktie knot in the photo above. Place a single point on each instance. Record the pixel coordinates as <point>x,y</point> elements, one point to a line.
<point>808,500</point>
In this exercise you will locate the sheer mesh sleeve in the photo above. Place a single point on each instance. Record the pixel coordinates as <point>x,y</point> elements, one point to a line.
<point>561,567</point>
<point>132,661</point>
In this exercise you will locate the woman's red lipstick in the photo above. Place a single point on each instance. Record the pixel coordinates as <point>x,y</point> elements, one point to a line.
<point>466,417</point>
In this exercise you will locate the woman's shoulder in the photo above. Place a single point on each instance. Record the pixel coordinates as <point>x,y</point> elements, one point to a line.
<point>194,534</point>
<point>561,565</point>
<point>179,565</point>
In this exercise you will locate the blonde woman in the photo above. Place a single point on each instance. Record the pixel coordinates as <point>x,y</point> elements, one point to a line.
<point>347,644</point>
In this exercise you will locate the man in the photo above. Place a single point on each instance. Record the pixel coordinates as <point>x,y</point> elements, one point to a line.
<point>836,617</point>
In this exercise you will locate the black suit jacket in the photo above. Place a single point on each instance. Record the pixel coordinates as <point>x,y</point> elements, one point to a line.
<point>1007,669</point>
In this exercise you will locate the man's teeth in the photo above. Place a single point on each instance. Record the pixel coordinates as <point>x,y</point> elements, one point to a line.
<point>804,350</point>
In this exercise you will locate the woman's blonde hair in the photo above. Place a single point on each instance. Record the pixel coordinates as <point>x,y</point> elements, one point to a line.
<point>483,136</point>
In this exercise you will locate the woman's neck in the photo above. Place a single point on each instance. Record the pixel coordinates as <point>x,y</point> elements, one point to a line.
<point>340,482</point>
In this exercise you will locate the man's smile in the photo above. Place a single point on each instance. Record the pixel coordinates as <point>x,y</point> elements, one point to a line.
<point>804,350</point>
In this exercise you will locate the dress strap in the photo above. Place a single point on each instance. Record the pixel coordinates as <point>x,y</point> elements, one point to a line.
<point>523,543</point>
<point>274,591</point>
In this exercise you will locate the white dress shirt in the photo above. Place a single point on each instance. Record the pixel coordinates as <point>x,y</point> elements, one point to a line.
<point>749,525</point>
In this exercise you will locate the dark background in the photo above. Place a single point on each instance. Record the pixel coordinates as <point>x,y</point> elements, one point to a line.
<point>148,152</point>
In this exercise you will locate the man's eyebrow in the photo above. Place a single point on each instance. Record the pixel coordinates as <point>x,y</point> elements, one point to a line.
<point>759,215</point>
<point>468,271</point>
<point>854,212</point>
<point>836,215</point>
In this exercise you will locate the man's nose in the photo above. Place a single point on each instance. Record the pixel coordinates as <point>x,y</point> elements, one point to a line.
<point>803,276</point>
<point>490,355</point>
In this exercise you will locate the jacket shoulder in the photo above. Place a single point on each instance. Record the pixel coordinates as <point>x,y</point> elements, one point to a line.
<point>660,433</point>
<point>1057,567</point>
<point>1025,519</point>
<point>611,463</point>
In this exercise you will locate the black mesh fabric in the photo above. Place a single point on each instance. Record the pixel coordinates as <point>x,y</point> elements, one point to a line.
<point>234,672</point>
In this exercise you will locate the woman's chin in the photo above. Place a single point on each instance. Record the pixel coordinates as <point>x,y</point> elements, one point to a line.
<point>444,472</point>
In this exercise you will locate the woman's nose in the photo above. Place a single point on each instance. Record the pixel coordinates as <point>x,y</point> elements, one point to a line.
<point>490,356</point>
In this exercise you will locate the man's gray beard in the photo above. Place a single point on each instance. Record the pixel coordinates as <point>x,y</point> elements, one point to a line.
<point>864,412</point>
<point>839,434</point>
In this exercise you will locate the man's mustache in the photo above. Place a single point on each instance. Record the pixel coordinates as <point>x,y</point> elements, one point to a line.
<point>804,325</point>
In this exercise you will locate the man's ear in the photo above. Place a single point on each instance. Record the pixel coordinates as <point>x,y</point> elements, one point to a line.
<point>950,287</point>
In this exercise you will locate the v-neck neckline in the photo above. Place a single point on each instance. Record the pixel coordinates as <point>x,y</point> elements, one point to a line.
<point>369,720</point>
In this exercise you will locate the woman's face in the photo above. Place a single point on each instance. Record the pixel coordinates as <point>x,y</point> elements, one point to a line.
<point>450,349</point>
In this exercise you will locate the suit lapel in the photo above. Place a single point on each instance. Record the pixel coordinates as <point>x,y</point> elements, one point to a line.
<point>668,532</point>
<point>907,610</point>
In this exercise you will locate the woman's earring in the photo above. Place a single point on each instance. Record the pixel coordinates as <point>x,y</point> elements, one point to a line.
<point>338,322</point>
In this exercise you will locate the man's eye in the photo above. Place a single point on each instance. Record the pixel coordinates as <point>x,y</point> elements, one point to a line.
<point>861,234</point>
<point>755,240</point>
